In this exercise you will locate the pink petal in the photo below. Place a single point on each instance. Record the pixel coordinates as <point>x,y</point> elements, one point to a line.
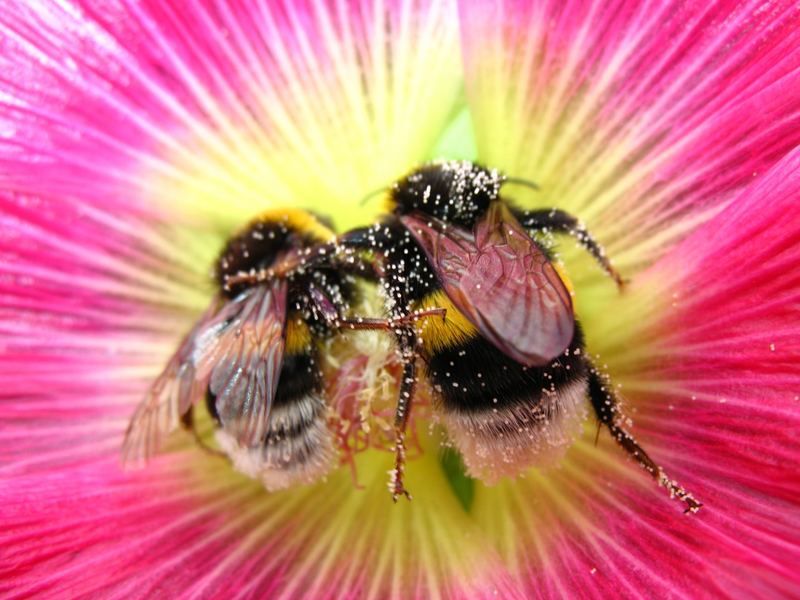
<point>642,118</point>
<point>216,110</point>
<point>732,335</point>
<point>711,401</point>
<point>111,115</point>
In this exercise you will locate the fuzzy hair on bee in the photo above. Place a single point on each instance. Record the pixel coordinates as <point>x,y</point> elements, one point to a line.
<point>254,357</point>
<point>508,363</point>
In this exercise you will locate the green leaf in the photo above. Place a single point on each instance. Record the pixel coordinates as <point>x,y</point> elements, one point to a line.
<point>463,485</point>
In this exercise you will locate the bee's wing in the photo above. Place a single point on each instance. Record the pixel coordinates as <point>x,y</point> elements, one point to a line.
<point>502,282</point>
<point>170,396</point>
<point>245,362</point>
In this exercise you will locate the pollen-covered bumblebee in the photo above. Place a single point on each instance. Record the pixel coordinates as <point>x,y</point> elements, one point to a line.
<point>255,355</point>
<point>507,362</point>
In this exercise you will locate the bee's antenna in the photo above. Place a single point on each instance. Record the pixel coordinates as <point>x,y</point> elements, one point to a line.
<point>525,182</point>
<point>372,194</point>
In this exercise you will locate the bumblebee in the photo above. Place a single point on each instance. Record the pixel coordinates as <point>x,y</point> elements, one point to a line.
<point>255,355</point>
<point>507,364</point>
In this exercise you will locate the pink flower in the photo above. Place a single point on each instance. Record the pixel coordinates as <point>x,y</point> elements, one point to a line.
<point>136,135</point>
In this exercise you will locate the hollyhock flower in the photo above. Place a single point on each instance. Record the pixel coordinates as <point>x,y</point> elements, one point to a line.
<point>136,135</point>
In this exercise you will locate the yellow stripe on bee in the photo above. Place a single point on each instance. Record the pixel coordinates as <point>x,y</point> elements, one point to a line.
<point>456,329</point>
<point>389,203</point>
<point>298,335</point>
<point>439,334</point>
<point>298,220</point>
<point>564,278</point>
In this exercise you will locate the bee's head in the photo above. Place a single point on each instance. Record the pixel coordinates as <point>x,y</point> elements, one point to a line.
<point>266,239</point>
<point>456,192</point>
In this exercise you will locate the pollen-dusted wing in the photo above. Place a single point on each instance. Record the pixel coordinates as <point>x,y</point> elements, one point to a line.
<point>245,362</point>
<point>236,352</point>
<point>502,281</point>
<point>176,389</point>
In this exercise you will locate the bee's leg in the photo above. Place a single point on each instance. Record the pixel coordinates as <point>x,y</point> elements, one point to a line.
<point>388,324</point>
<point>340,253</point>
<point>364,269</point>
<point>558,221</point>
<point>407,340</point>
<point>361,238</point>
<point>349,257</point>
<point>187,420</point>
<point>315,256</point>
<point>607,407</point>
<point>331,314</point>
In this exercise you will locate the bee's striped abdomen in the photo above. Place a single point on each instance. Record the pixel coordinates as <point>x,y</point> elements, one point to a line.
<point>503,416</point>
<point>298,446</point>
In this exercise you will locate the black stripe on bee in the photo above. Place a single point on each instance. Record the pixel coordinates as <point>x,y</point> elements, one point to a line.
<point>475,376</point>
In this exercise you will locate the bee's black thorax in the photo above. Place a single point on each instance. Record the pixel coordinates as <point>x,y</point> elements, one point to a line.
<point>263,243</point>
<point>408,274</point>
<point>258,246</point>
<point>457,192</point>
